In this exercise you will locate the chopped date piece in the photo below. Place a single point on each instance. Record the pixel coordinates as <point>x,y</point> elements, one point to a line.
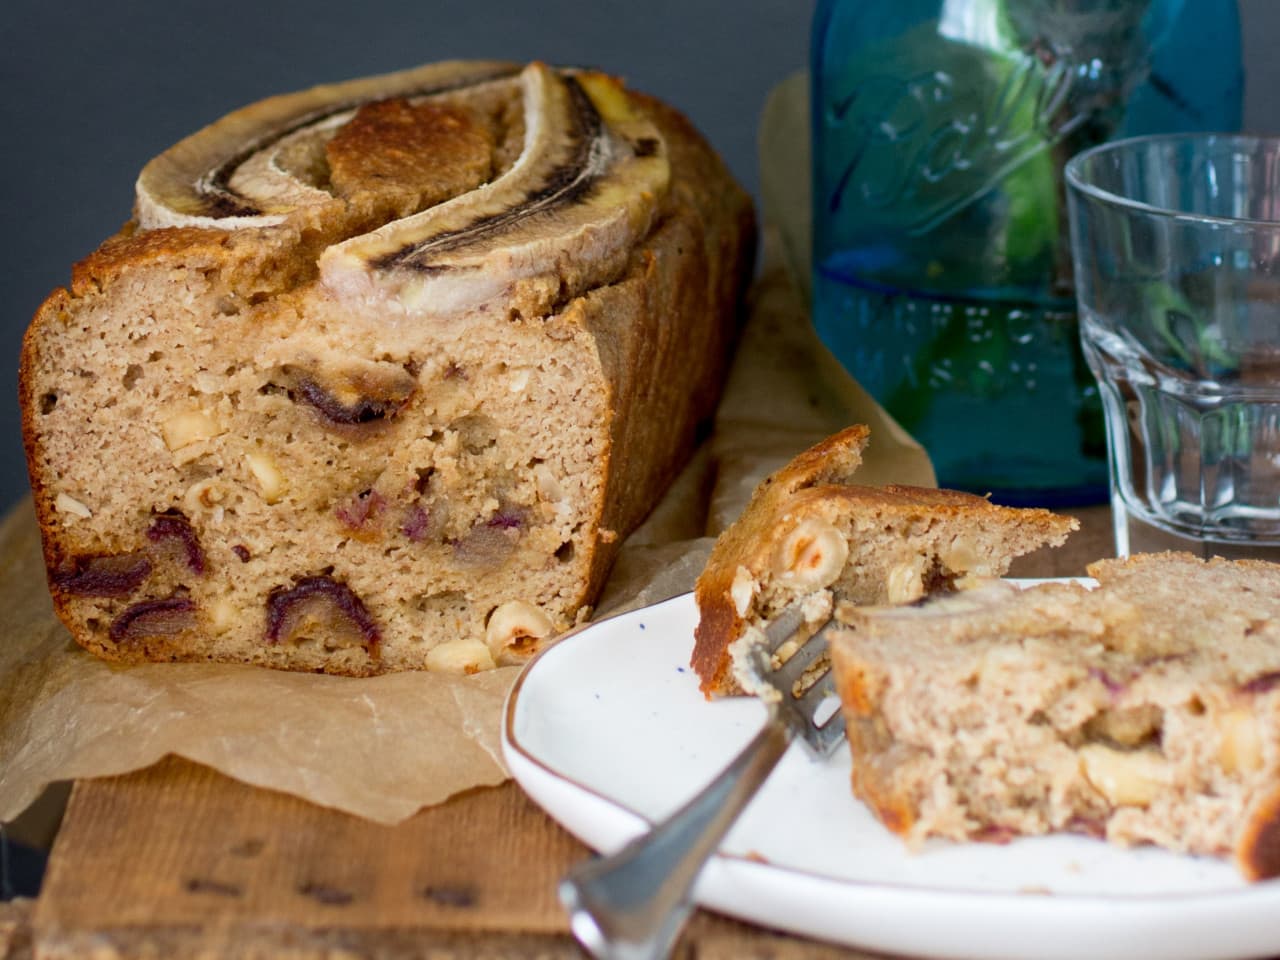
<point>1262,682</point>
<point>118,575</point>
<point>154,618</point>
<point>1113,685</point>
<point>174,526</point>
<point>416,523</point>
<point>995,833</point>
<point>361,410</point>
<point>358,509</point>
<point>506,520</point>
<point>287,605</point>
<point>485,545</point>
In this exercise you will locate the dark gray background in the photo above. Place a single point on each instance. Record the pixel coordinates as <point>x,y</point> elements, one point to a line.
<point>90,91</point>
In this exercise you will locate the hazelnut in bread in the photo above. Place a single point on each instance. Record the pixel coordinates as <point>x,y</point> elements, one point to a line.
<point>382,372</point>
<point>810,535</point>
<point>1146,711</point>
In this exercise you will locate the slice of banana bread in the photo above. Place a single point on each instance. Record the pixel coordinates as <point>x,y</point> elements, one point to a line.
<point>810,535</point>
<point>383,372</point>
<point>1145,711</point>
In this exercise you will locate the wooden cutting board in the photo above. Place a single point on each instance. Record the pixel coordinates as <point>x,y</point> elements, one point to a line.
<point>180,861</point>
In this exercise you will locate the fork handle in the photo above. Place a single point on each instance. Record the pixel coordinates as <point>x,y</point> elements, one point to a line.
<point>632,905</point>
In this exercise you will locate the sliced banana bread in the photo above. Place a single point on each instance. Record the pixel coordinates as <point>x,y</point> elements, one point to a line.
<point>1145,711</point>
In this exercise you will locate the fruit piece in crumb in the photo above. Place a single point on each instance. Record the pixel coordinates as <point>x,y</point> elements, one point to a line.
<point>324,605</point>
<point>154,618</point>
<point>174,528</point>
<point>104,576</point>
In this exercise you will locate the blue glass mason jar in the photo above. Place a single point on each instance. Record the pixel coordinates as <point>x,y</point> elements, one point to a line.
<point>942,275</point>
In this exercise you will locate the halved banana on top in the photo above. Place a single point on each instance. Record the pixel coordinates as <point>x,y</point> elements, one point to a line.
<point>561,217</point>
<point>583,190</point>
<point>256,165</point>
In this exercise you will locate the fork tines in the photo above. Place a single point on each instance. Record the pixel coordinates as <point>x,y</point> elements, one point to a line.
<point>803,678</point>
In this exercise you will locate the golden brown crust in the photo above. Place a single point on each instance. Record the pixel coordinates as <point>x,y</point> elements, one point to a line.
<point>896,811</point>
<point>132,248</point>
<point>52,310</point>
<point>860,691</point>
<point>1257,852</point>
<point>428,152</point>
<point>697,263</point>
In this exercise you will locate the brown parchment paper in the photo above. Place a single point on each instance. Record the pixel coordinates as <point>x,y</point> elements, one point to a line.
<point>383,747</point>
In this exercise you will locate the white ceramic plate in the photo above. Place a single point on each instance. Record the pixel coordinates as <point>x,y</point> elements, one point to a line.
<point>607,731</point>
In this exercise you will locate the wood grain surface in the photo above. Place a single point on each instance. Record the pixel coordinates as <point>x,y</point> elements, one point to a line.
<point>180,861</point>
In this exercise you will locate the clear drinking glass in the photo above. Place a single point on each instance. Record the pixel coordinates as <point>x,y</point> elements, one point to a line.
<point>1176,241</point>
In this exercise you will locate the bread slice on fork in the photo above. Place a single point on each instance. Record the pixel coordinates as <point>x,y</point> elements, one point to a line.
<point>810,535</point>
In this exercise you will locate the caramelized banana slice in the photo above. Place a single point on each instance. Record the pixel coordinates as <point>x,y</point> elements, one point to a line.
<point>563,218</point>
<point>254,167</point>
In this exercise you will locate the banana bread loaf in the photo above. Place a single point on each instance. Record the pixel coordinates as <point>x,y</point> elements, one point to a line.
<point>1145,711</point>
<point>810,535</point>
<point>382,372</point>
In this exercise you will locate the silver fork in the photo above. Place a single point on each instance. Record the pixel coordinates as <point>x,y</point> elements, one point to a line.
<point>632,905</point>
